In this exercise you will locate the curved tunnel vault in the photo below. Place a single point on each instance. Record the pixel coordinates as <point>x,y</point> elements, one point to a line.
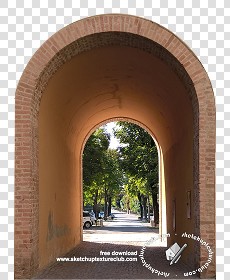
<point>103,76</point>
<point>100,84</point>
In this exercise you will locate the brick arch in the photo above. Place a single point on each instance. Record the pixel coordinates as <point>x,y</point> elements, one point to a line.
<point>86,34</point>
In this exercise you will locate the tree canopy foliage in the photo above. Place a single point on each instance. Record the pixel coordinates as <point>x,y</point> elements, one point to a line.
<point>94,156</point>
<point>139,160</point>
<point>102,176</point>
<point>128,174</point>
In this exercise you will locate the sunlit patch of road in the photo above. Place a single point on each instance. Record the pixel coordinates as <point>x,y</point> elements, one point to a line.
<point>125,228</point>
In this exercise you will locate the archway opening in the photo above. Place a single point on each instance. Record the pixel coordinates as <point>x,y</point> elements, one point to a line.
<point>121,173</point>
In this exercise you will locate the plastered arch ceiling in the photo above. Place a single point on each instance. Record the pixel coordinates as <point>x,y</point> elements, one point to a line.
<point>116,74</point>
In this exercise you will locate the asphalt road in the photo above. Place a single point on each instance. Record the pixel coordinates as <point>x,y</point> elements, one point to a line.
<point>123,228</point>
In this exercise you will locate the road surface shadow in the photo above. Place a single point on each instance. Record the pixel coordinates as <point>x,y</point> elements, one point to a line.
<point>121,229</point>
<point>154,257</point>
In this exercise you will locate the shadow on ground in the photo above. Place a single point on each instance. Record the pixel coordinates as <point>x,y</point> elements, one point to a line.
<point>153,256</point>
<point>120,228</point>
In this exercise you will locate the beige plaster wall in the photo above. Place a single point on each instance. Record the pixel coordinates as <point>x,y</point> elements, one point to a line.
<point>59,205</point>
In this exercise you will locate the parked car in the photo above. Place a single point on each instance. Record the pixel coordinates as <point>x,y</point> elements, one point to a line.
<point>151,216</point>
<point>111,216</point>
<point>87,222</point>
<point>101,215</point>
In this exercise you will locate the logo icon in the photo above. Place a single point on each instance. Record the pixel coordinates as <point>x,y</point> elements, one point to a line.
<point>174,252</point>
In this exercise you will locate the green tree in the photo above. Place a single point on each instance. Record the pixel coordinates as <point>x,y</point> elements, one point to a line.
<point>112,179</point>
<point>102,176</point>
<point>93,163</point>
<point>139,160</point>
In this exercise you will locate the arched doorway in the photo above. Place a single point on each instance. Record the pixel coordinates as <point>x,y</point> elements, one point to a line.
<point>150,153</point>
<point>99,68</point>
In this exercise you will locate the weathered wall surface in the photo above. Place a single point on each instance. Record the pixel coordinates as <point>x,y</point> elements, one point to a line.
<point>59,193</point>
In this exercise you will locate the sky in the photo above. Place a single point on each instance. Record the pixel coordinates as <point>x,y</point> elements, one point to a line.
<point>114,143</point>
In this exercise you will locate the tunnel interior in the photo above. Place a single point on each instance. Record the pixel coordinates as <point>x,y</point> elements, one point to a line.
<point>99,78</point>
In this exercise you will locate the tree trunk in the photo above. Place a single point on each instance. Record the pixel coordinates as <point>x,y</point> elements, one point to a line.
<point>144,198</point>
<point>106,205</point>
<point>128,207</point>
<point>155,208</point>
<point>118,203</point>
<point>148,210</point>
<point>140,204</point>
<point>95,206</point>
<point>110,205</point>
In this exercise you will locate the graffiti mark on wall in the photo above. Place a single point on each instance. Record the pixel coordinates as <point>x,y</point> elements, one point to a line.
<point>55,230</point>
